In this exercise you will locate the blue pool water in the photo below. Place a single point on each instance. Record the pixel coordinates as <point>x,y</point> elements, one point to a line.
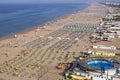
<point>100,63</point>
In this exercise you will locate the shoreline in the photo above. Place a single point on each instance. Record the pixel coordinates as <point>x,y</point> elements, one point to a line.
<point>41,49</point>
<point>10,36</point>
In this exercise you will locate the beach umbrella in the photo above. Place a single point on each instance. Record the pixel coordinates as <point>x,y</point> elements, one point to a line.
<point>50,37</point>
<point>76,39</point>
<point>41,36</point>
<point>59,38</point>
<point>68,38</point>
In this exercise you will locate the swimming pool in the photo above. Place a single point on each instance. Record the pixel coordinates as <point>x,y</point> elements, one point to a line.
<point>100,63</point>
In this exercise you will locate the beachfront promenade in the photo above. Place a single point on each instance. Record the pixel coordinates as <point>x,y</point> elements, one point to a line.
<point>35,54</point>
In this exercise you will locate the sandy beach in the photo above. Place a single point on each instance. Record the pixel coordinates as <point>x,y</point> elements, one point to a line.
<point>35,53</point>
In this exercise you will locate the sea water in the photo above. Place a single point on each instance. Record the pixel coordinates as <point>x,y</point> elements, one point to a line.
<point>17,17</point>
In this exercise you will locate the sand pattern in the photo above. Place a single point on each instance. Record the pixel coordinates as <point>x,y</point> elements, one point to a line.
<point>33,55</point>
